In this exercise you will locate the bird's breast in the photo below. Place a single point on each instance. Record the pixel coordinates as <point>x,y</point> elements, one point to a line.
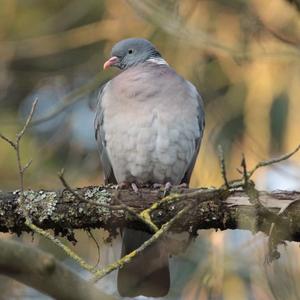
<point>149,146</point>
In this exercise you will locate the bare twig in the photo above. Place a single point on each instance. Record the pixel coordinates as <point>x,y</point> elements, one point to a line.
<point>10,142</point>
<point>28,120</point>
<point>245,173</point>
<point>223,167</point>
<point>273,161</point>
<point>16,145</point>
<point>81,198</point>
<point>19,137</point>
<point>28,164</point>
<point>97,246</point>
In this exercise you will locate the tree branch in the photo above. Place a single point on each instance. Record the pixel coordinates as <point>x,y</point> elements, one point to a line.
<point>44,273</point>
<point>214,208</point>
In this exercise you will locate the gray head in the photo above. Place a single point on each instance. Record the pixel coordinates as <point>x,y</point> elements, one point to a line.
<point>130,52</point>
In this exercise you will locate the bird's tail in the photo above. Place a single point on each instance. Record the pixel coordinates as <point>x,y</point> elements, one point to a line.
<point>148,273</point>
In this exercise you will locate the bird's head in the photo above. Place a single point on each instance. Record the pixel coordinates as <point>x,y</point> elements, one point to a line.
<point>130,52</point>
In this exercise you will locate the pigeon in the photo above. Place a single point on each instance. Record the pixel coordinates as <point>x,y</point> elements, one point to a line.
<point>148,126</point>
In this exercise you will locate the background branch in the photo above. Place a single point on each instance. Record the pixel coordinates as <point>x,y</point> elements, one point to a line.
<point>44,273</point>
<point>16,144</point>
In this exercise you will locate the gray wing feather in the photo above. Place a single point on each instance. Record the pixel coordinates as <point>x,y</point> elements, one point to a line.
<point>109,176</point>
<point>201,124</point>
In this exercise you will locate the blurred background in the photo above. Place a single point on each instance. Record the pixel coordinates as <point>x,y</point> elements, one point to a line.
<point>243,56</point>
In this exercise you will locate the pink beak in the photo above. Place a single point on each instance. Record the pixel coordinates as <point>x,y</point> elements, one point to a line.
<point>110,62</point>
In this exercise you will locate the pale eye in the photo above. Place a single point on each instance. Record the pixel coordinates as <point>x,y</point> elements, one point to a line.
<point>130,51</point>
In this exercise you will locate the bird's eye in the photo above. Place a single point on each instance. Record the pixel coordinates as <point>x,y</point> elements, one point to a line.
<point>130,51</point>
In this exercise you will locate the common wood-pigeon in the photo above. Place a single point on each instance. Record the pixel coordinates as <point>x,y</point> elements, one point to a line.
<point>149,125</point>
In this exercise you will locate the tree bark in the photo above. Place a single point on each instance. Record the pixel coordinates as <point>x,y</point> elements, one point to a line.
<point>44,273</point>
<point>63,212</point>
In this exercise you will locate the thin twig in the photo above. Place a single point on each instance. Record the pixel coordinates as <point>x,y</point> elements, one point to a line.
<point>58,243</point>
<point>79,197</point>
<point>222,164</point>
<point>28,120</point>
<point>19,137</point>
<point>97,246</point>
<point>127,258</point>
<point>16,146</point>
<point>273,161</point>
<point>27,165</point>
<point>10,142</point>
<point>245,173</point>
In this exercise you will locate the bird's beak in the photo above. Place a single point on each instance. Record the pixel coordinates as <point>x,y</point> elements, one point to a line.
<point>111,62</point>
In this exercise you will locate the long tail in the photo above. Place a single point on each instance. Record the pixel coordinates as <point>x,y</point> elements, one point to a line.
<point>148,273</point>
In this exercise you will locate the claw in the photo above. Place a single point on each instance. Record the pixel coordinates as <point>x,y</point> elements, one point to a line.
<point>167,189</point>
<point>134,187</point>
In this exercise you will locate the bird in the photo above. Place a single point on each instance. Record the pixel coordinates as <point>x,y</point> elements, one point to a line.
<point>149,125</point>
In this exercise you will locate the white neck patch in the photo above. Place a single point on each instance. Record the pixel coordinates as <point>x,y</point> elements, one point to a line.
<point>158,61</point>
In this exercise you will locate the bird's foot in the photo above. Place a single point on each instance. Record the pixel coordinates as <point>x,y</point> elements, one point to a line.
<point>123,185</point>
<point>166,188</point>
<point>135,187</point>
<point>126,185</point>
<point>183,185</point>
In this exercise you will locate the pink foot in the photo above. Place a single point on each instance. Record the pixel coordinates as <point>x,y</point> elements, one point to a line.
<point>126,185</point>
